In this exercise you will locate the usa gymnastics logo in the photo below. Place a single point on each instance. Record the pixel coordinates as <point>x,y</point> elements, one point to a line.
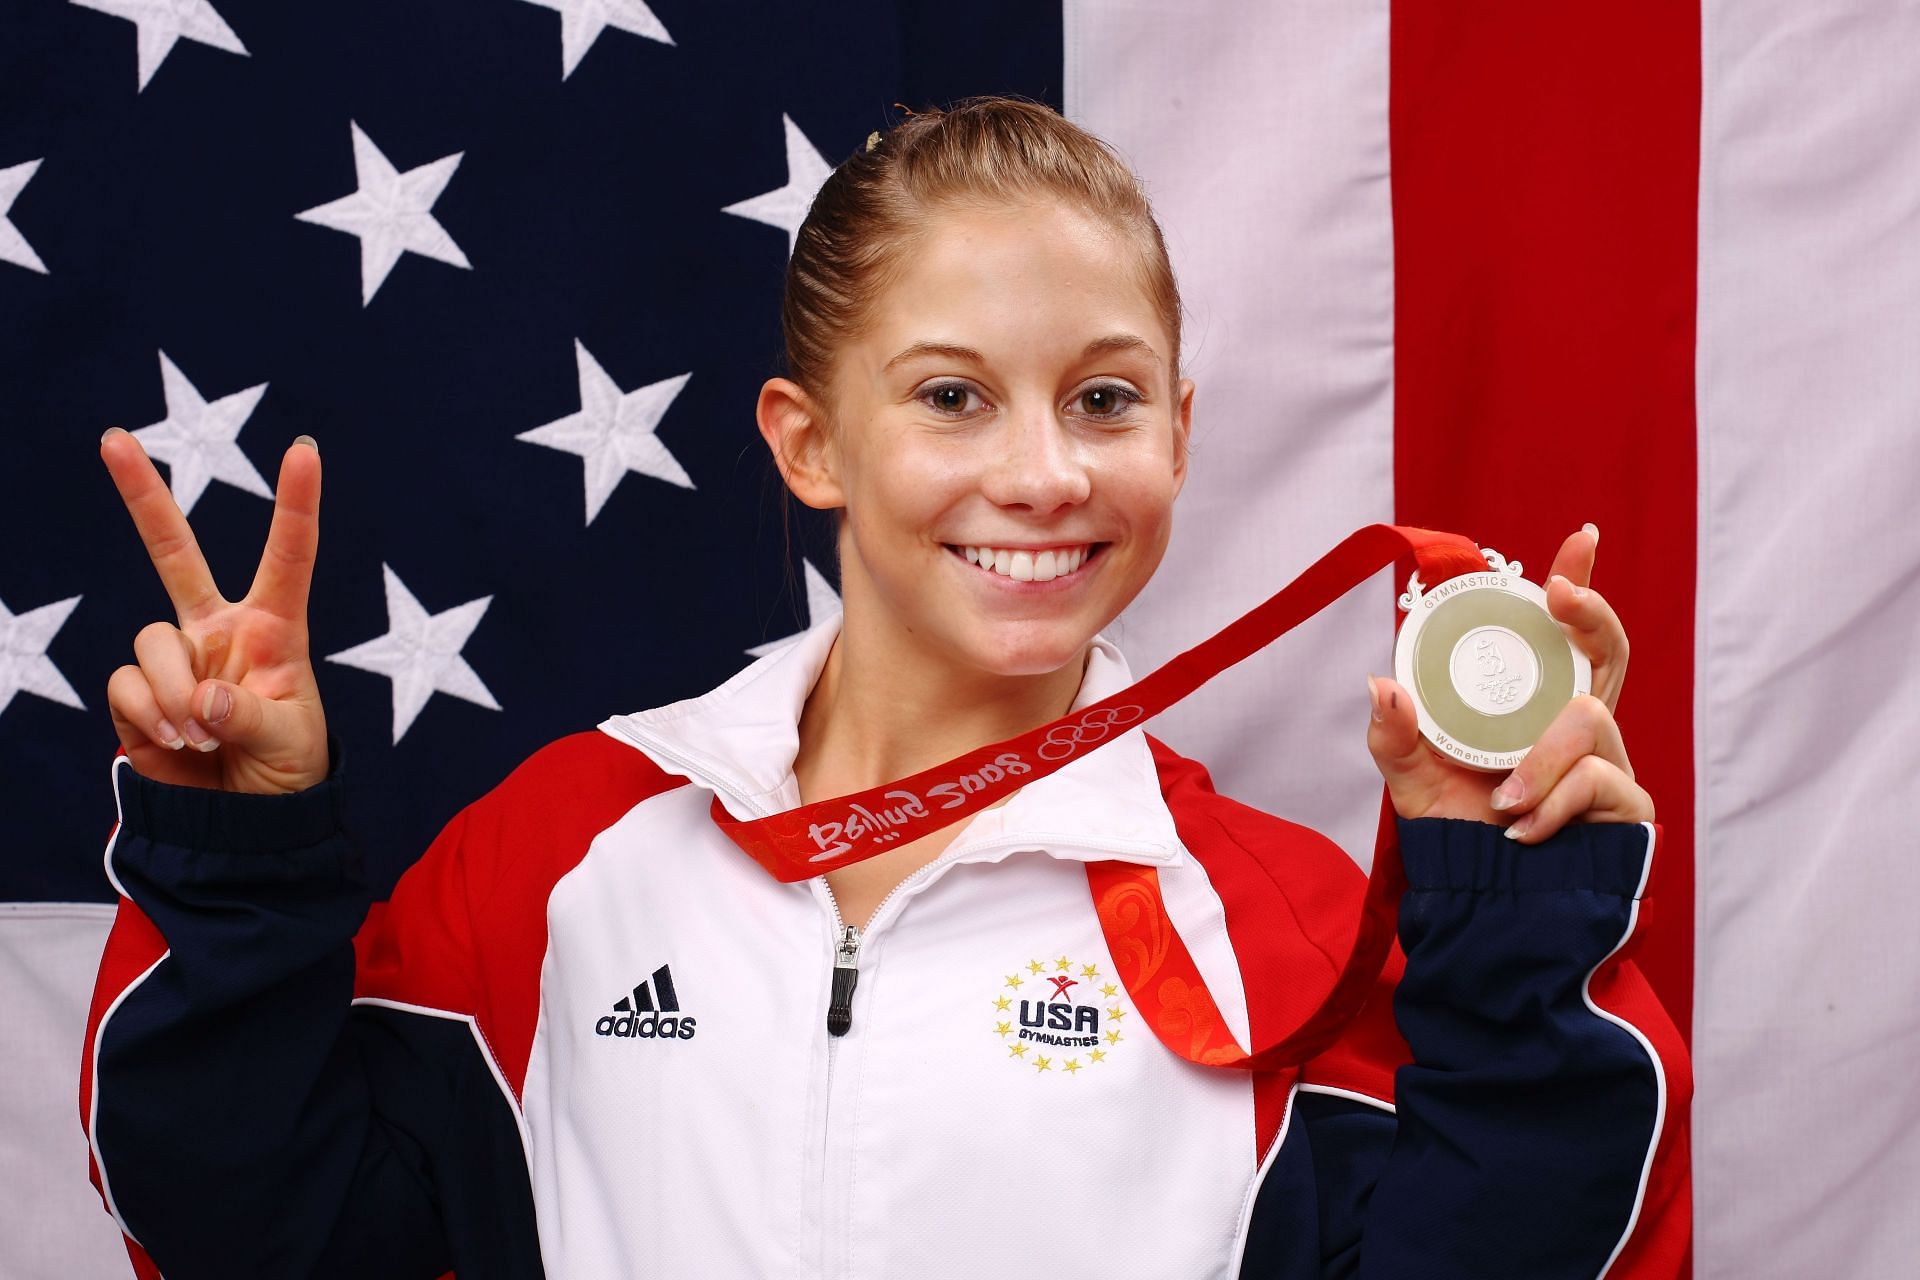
<point>1058,1017</point>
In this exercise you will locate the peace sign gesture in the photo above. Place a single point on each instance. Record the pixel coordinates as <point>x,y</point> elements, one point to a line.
<point>224,697</point>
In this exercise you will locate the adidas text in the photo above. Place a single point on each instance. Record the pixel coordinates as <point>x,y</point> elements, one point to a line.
<point>646,1026</point>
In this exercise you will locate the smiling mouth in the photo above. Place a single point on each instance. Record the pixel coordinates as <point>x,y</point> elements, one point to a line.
<point>1031,566</point>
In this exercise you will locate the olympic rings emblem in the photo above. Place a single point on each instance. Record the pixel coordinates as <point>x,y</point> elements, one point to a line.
<point>1064,740</point>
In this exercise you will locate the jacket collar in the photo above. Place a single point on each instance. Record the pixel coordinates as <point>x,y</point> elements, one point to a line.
<point>739,742</point>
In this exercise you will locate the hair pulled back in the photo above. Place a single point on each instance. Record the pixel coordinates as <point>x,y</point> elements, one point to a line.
<point>979,151</point>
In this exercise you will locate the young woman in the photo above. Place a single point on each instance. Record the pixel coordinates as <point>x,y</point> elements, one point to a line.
<point>589,1034</point>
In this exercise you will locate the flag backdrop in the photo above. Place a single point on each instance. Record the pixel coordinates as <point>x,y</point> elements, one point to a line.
<point>1501,268</point>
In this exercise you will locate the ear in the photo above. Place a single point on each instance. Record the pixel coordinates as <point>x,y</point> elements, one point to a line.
<point>1182,434</point>
<point>794,427</point>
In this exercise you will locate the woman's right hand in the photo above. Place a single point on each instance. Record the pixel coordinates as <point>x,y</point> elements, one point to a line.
<point>224,697</point>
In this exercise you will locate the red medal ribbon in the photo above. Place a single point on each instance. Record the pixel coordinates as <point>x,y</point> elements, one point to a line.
<point>1158,971</point>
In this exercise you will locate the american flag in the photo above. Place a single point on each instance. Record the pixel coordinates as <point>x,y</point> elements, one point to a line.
<point>515,264</point>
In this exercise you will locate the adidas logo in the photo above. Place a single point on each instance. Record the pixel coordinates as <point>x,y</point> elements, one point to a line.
<point>652,1012</point>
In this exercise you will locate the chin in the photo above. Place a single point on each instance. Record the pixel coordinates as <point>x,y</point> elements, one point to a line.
<point>1028,649</point>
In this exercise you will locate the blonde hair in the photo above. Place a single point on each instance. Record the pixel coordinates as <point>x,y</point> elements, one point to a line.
<point>987,150</point>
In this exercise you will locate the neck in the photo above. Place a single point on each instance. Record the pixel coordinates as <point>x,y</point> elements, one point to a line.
<point>884,710</point>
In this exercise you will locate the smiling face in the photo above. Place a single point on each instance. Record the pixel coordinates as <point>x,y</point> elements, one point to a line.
<point>1006,441</point>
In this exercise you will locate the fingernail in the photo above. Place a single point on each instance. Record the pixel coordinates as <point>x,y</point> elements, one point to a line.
<point>1508,793</point>
<point>1593,529</point>
<point>314,445</point>
<point>1519,828</point>
<point>217,705</point>
<point>167,736</point>
<point>200,739</point>
<point>1373,697</point>
<point>111,432</point>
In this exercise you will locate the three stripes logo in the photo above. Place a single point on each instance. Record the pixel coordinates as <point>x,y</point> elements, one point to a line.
<point>652,1012</point>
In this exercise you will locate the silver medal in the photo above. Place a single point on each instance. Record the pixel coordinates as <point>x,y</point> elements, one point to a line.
<point>1486,663</point>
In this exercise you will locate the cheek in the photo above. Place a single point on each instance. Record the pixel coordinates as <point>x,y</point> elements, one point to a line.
<point>899,495</point>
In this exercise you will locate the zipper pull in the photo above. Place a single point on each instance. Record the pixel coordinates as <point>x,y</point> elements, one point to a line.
<point>846,973</point>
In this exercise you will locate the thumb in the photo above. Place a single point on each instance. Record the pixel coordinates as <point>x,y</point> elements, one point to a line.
<point>260,727</point>
<point>1393,739</point>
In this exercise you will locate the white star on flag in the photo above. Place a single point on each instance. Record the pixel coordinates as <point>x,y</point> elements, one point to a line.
<point>614,431</point>
<point>787,207</point>
<point>161,23</point>
<point>13,246</point>
<point>582,21</point>
<point>822,601</point>
<point>199,442</point>
<point>391,213</point>
<point>24,664</point>
<point>420,653</point>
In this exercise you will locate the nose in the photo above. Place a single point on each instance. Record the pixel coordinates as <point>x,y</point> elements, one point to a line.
<point>1039,468</point>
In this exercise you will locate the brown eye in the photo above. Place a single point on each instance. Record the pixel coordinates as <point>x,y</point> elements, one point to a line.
<point>951,398</point>
<point>1105,401</point>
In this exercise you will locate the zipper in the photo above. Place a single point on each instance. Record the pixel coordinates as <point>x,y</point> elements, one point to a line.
<point>846,975</point>
<point>846,952</point>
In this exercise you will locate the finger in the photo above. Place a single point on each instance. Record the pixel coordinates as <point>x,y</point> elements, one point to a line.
<point>163,529</point>
<point>1591,623</point>
<point>166,660</point>
<point>137,717</point>
<point>1393,739</point>
<point>1583,728</point>
<point>1594,790</point>
<point>1574,560</point>
<point>281,583</point>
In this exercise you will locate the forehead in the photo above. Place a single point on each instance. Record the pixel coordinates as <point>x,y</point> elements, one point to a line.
<point>1014,281</point>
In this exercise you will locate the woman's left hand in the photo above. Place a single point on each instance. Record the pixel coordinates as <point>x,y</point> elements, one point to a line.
<point>1577,772</point>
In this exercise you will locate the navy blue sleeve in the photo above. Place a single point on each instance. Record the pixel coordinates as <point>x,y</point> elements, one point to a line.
<point>248,1119</point>
<point>1527,1119</point>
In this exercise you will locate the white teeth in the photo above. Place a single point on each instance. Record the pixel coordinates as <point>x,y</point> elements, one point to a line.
<point>1028,566</point>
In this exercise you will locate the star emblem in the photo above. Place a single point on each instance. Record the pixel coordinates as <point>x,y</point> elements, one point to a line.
<point>162,23</point>
<point>1034,966</point>
<point>1110,991</point>
<point>1002,1003</point>
<point>1013,980</point>
<point>787,207</point>
<point>1003,1028</point>
<point>199,441</point>
<point>822,601</point>
<point>1113,1037</point>
<point>1089,970</point>
<point>1062,964</point>
<point>13,246</point>
<point>420,653</point>
<point>391,213</point>
<point>614,430</point>
<point>582,21</point>
<point>1042,1064</point>
<point>1071,1065</point>
<point>24,664</point>
<point>1098,1055</point>
<point>1017,1050</point>
<point>1116,1013</point>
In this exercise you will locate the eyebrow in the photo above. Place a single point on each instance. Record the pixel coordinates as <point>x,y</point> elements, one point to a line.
<point>947,349</point>
<point>1113,342</point>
